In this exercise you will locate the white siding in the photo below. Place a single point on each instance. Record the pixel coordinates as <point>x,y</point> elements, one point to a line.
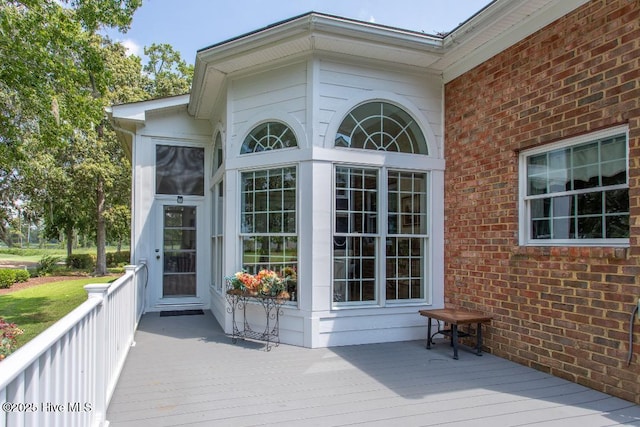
<point>281,91</point>
<point>340,83</point>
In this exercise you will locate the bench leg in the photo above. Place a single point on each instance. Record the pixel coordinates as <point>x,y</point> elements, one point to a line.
<point>428,333</point>
<point>479,340</point>
<point>454,340</point>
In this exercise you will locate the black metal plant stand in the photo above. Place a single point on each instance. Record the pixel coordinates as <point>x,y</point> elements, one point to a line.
<point>241,329</point>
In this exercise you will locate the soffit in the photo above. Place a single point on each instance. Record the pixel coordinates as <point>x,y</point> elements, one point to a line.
<point>501,24</point>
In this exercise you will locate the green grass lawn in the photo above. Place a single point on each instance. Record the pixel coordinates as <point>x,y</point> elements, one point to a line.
<point>35,309</point>
<point>27,255</point>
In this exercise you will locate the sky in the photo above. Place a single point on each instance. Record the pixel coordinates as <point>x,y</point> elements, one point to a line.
<point>190,25</point>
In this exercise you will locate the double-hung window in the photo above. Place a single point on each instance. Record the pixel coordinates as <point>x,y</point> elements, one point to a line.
<point>576,192</point>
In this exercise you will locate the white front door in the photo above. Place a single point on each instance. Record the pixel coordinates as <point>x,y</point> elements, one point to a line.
<point>180,273</point>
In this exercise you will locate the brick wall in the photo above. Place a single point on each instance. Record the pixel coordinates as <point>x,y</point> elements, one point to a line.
<point>562,310</point>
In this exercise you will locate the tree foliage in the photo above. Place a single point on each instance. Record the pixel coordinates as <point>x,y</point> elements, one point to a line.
<point>168,74</point>
<point>58,153</point>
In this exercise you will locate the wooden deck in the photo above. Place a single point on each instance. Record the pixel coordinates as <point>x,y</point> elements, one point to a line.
<point>184,371</point>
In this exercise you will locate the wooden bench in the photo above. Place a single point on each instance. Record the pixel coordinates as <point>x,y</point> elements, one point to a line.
<point>455,317</point>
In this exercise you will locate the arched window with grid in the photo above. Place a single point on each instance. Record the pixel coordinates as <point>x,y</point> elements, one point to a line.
<point>381,126</point>
<point>268,136</point>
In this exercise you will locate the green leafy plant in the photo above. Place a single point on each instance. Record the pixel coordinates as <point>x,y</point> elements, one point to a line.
<point>8,338</point>
<point>47,264</point>
<point>81,261</point>
<point>22,275</point>
<point>118,259</point>
<point>7,278</point>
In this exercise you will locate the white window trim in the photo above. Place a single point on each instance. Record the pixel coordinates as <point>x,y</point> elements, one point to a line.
<point>524,228</point>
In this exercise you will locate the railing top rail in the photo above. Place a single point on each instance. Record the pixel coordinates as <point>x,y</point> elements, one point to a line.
<point>13,365</point>
<point>129,274</point>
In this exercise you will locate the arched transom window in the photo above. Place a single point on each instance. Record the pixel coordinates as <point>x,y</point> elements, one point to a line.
<point>381,126</point>
<point>268,136</point>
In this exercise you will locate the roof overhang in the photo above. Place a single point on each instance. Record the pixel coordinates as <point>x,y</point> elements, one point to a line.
<point>499,25</point>
<point>302,35</point>
<point>127,118</point>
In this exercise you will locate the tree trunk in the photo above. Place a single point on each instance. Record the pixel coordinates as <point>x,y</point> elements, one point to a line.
<point>101,232</point>
<point>69,236</point>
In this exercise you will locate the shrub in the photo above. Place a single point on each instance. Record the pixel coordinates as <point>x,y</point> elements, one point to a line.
<point>8,338</point>
<point>47,264</point>
<point>7,278</point>
<point>118,259</point>
<point>81,262</point>
<point>22,275</point>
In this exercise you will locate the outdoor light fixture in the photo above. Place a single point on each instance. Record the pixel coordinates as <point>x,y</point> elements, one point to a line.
<point>180,199</point>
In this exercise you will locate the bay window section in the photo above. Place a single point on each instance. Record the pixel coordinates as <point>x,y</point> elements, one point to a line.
<point>268,236</point>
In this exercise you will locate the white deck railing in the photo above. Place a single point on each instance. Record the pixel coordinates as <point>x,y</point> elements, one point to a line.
<point>66,375</point>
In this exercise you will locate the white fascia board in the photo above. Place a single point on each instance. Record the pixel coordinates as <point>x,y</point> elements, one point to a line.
<point>529,25</point>
<point>376,34</point>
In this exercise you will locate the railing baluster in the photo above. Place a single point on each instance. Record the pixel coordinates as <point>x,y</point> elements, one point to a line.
<point>77,360</point>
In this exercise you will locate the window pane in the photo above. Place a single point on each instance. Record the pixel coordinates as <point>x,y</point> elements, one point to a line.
<point>540,208</point>
<point>614,172</point>
<point>275,200</point>
<point>355,261</point>
<point>617,226</point>
<point>590,203</point>
<point>563,206</point>
<point>586,177</point>
<point>585,155</point>
<point>614,149</point>
<point>541,229</point>
<point>617,201</point>
<point>179,170</point>
<point>562,228</point>
<point>590,228</point>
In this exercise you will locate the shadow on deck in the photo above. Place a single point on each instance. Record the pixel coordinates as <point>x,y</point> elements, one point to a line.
<point>185,371</point>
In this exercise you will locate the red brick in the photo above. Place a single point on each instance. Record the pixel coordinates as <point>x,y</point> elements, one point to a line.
<point>562,310</point>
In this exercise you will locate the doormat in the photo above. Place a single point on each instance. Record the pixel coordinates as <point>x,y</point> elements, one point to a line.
<point>181,313</point>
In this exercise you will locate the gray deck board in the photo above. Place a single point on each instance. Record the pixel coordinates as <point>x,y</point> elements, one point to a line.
<point>184,371</point>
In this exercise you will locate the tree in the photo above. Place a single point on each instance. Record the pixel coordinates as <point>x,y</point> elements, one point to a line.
<point>57,150</point>
<point>168,74</point>
<point>52,83</point>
